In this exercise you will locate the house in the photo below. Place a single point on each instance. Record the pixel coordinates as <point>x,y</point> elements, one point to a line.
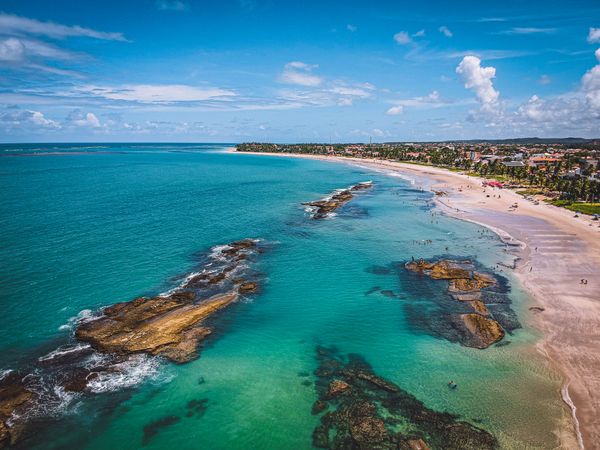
<point>513,164</point>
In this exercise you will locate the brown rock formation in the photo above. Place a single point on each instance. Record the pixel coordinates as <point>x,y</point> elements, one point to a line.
<point>483,332</point>
<point>322,208</point>
<point>337,387</point>
<point>158,326</point>
<point>13,396</point>
<point>480,307</point>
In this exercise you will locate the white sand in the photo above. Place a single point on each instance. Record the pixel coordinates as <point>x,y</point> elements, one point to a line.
<point>558,251</point>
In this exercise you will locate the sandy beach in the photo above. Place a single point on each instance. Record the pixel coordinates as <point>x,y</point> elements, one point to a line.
<point>555,252</point>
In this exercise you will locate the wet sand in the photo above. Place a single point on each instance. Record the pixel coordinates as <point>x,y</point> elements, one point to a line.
<point>556,251</point>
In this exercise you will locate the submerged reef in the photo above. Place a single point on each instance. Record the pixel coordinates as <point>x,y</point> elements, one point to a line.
<point>323,208</point>
<point>116,348</point>
<point>360,410</point>
<point>453,299</point>
<point>478,315</point>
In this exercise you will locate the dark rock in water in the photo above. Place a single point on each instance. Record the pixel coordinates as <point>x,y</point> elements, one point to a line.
<point>303,374</point>
<point>248,286</point>
<point>373,290</point>
<point>78,379</point>
<point>307,383</point>
<point>318,407</point>
<point>321,209</point>
<point>371,411</point>
<point>14,396</point>
<point>196,407</point>
<point>415,444</point>
<point>153,428</point>
<point>388,293</point>
<point>320,437</point>
<point>379,270</point>
<point>480,313</point>
<point>337,387</point>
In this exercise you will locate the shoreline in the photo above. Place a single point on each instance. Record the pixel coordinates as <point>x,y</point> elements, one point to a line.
<point>555,252</point>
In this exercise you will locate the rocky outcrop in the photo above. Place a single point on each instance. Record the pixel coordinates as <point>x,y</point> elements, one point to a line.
<point>374,413</point>
<point>168,327</point>
<point>480,331</point>
<point>477,329</point>
<point>14,396</point>
<point>321,209</point>
<point>337,387</point>
<point>171,325</point>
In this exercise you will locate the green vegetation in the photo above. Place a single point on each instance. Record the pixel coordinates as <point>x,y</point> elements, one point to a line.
<point>585,208</point>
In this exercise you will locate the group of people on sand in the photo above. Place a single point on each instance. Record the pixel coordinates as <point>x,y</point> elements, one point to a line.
<point>583,281</point>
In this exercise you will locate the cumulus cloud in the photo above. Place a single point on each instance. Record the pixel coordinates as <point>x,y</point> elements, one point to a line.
<point>479,79</point>
<point>591,84</point>
<point>351,28</point>
<point>395,110</point>
<point>445,31</point>
<point>154,93</point>
<point>402,38</point>
<point>26,119</point>
<point>299,73</point>
<point>419,33</point>
<point>81,119</point>
<point>573,112</point>
<point>594,35</point>
<point>15,25</point>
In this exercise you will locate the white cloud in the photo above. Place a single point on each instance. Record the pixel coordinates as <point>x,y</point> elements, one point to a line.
<point>26,118</point>
<point>545,79</point>
<point>172,5</point>
<point>402,38</point>
<point>12,24</point>
<point>419,33</point>
<point>591,84</point>
<point>594,35</point>
<point>11,49</point>
<point>480,80</point>
<point>395,110</point>
<point>527,30</point>
<point>299,73</point>
<point>445,31</point>
<point>20,49</point>
<point>78,118</point>
<point>155,93</point>
<point>351,28</point>
<point>567,114</point>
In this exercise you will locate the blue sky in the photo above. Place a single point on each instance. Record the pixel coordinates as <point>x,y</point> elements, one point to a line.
<point>240,70</point>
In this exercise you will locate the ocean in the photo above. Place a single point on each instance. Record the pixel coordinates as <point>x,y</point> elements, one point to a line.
<point>87,226</point>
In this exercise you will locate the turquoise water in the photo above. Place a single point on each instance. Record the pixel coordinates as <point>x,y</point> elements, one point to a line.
<point>87,227</point>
